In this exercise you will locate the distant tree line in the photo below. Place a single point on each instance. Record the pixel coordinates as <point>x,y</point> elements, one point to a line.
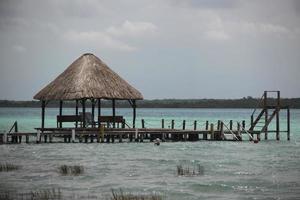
<point>246,102</point>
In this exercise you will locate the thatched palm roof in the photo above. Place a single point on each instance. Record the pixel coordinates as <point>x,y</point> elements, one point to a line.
<point>88,77</point>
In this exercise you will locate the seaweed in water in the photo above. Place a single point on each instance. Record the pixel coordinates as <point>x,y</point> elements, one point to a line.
<point>120,195</point>
<point>186,171</point>
<point>71,170</point>
<point>6,167</point>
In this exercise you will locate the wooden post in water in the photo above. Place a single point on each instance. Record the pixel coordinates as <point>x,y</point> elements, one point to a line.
<point>102,133</point>
<point>277,116</point>
<point>195,136</point>
<point>162,123</point>
<point>83,112</point>
<point>288,123</point>
<point>206,128</point>
<point>38,136</point>
<point>73,135</point>
<point>221,135</point>
<point>60,112</point>
<point>212,137</point>
<point>76,113</point>
<point>134,113</point>
<point>93,112</point>
<point>114,112</point>
<point>183,128</point>
<point>43,114</point>
<point>238,134</point>
<point>99,112</point>
<point>266,113</point>
<point>243,124</point>
<point>230,124</point>
<point>218,127</point>
<point>143,123</point>
<point>172,124</point>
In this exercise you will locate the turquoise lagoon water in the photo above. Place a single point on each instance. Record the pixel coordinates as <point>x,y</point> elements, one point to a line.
<point>232,170</point>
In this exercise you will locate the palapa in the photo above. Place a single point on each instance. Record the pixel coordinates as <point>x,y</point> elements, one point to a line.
<point>88,77</point>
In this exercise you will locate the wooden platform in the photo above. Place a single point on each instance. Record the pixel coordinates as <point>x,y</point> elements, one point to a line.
<point>120,134</point>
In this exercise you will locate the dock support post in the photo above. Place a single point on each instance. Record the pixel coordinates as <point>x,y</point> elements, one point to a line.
<point>93,112</point>
<point>76,113</point>
<point>162,123</point>
<point>50,138</point>
<point>83,113</point>
<point>5,138</point>
<point>27,139</point>
<point>143,123</point>
<point>73,135</point>
<point>38,136</point>
<point>60,112</point>
<point>212,137</point>
<point>114,112</point>
<point>218,127</point>
<point>43,114</point>
<point>136,135</point>
<point>277,116</point>
<point>99,111</point>
<point>221,135</point>
<point>230,124</point>
<point>288,123</point>
<point>183,128</point>
<point>172,124</point>
<point>206,128</point>
<point>238,134</point>
<point>102,133</point>
<point>134,113</point>
<point>265,103</point>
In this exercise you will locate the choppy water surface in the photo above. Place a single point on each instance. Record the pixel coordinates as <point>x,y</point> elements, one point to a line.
<point>232,170</point>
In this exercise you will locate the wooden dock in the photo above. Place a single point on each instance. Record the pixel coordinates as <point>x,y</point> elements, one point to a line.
<point>111,135</point>
<point>110,129</point>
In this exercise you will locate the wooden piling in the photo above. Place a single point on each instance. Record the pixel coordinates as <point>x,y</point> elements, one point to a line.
<point>162,123</point>
<point>277,116</point>
<point>230,124</point>
<point>38,136</point>
<point>76,113</point>
<point>73,135</point>
<point>172,124</point>
<point>212,137</point>
<point>206,128</point>
<point>143,123</point>
<point>288,123</point>
<point>218,126</point>
<point>221,135</point>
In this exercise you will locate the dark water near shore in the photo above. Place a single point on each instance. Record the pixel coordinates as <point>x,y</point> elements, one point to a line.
<point>232,170</point>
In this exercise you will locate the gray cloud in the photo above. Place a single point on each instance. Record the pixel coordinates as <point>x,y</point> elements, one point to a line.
<point>213,49</point>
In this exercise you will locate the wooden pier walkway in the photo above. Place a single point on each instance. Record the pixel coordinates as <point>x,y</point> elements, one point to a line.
<point>111,135</point>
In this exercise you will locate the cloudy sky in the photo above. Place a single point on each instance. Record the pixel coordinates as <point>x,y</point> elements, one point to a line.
<point>166,49</point>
